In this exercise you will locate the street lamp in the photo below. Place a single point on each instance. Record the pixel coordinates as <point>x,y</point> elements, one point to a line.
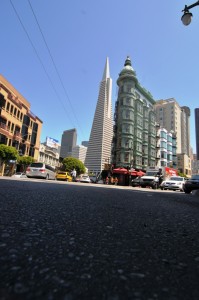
<point>187,16</point>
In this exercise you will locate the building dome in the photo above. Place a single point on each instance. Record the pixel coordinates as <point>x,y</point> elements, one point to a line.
<point>127,70</point>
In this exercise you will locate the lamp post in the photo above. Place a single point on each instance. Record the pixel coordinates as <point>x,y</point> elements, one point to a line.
<point>187,16</point>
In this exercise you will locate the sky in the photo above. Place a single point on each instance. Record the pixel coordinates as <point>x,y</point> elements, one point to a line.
<point>54,54</point>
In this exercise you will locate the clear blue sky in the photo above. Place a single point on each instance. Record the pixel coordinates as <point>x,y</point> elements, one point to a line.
<point>80,35</point>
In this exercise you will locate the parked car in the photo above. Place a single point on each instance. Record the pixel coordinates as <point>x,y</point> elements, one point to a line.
<point>174,183</point>
<point>40,170</point>
<point>136,181</point>
<point>19,175</point>
<point>85,178</point>
<point>62,175</point>
<point>191,184</point>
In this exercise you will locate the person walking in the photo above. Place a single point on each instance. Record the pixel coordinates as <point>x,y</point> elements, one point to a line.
<point>107,180</point>
<point>74,174</point>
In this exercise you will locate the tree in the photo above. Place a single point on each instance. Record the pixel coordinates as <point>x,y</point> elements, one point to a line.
<point>7,153</point>
<point>25,161</point>
<point>70,163</point>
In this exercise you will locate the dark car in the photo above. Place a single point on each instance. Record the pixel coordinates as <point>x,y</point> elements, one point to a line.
<point>191,184</point>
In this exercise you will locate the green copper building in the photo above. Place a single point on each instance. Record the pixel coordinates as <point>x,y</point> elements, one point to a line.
<point>134,140</point>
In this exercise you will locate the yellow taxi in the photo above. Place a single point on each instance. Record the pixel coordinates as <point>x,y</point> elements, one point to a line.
<point>62,175</point>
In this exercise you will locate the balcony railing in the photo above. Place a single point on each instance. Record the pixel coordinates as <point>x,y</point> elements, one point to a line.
<point>4,126</point>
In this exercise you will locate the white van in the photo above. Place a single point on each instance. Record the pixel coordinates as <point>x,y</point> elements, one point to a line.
<point>40,170</point>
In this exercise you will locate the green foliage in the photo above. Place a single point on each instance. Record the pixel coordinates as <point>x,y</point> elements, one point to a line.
<point>70,163</point>
<point>182,174</point>
<point>25,161</point>
<point>8,153</point>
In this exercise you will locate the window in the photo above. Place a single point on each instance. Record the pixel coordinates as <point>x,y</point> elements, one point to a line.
<point>8,106</point>
<point>128,101</point>
<point>128,114</point>
<point>11,109</point>
<point>126,157</point>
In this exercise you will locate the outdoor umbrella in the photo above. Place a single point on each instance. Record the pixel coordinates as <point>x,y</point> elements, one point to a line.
<point>120,171</point>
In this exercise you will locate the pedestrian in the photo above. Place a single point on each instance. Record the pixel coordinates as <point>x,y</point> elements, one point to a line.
<point>74,174</point>
<point>107,180</point>
<point>116,180</point>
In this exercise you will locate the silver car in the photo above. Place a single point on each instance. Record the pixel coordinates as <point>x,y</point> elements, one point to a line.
<point>40,170</point>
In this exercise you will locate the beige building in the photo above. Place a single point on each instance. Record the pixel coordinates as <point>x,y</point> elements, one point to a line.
<point>19,127</point>
<point>184,164</point>
<point>177,119</point>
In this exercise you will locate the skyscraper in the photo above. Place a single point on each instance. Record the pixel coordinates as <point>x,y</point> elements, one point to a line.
<point>68,141</point>
<point>99,146</point>
<point>197,131</point>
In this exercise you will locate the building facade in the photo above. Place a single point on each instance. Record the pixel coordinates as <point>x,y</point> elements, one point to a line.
<point>175,119</point>
<point>79,152</point>
<point>134,140</point>
<point>19,127</point>
<point>184,164</point>
<point>99,146</point>
<point>48,155</point>
<point>166,148</point>
<point>197,131</point>
<point>68,141</point>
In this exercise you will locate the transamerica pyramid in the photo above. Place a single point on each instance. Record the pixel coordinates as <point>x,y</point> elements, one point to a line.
<point>99,146</point>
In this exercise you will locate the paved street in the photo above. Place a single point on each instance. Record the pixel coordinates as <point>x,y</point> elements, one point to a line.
<point>71,241</point>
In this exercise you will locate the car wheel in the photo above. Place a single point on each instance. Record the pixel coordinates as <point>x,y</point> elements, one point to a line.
<point>162,188</point>
<point>187,191</point>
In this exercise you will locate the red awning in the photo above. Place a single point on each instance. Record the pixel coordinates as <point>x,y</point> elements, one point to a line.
<point>120,171</point>
<point>140,173</point>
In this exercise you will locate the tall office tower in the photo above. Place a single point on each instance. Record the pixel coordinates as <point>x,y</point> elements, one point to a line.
<point>99,146</point>
<point>197,131</point>
<point>177,119</point>
<point>185,129</point>
<point>79,152</point>
<point>134,140</point>
<point>68,141</point>
<point>85,143</point>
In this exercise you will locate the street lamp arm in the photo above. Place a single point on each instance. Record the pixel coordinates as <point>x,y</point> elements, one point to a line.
<point>186,8</point>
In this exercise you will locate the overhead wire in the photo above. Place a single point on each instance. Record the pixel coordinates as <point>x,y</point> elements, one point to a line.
<point>53,62</point>
<point>40,61</point>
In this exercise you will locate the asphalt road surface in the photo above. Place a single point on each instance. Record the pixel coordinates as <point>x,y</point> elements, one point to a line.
<point>71,241</point>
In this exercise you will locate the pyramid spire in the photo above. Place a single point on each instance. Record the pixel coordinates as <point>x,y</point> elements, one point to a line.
<point>106,70</point>
<point>99,146</point>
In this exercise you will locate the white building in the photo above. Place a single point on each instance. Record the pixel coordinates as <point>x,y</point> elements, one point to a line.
<point>166,148</point>
<point>79,152</point>
<point>99,146</point>
<point>48,155</point>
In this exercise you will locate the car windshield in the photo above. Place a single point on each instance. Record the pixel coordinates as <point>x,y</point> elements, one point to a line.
<point>177,178</point>
<point>195,177</point>
<point>36,165</point>
<point>62,172</point>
